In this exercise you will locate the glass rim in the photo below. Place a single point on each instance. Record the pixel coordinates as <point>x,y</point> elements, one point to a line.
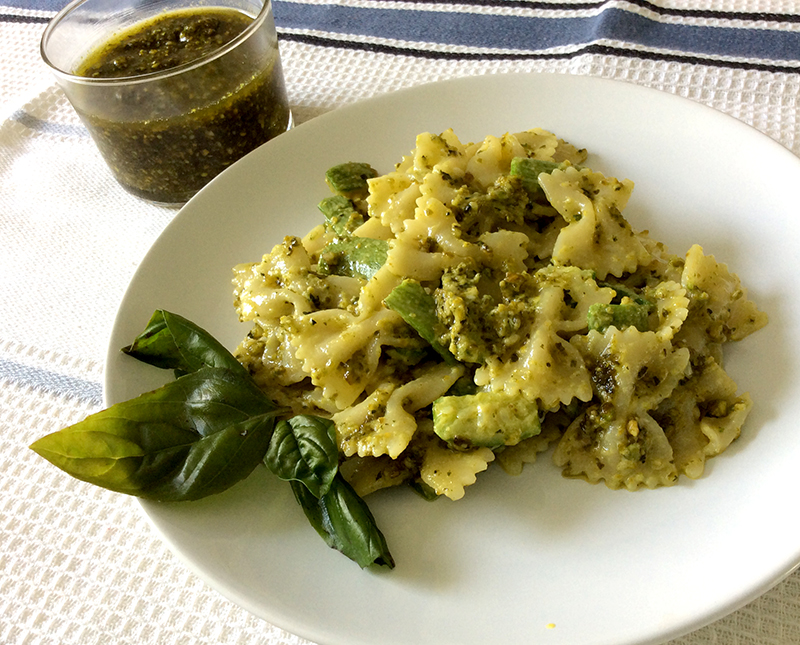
<point>258,20</point>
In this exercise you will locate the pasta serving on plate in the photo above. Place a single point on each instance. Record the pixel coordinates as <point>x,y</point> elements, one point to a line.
<point>487,301</point>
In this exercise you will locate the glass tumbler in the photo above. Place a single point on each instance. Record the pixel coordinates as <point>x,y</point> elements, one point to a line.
<point>183,99</point>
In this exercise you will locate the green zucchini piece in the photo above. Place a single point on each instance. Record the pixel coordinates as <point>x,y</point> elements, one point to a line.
<point>528,170</point>
<point>418,308</point>
<point>341,214</point>
<point>490,419</point>
<point>350,179</point>
<point>356,257</point>
<point>600,317</point>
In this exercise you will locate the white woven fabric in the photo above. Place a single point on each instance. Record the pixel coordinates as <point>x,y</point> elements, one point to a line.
<point>80,566</point>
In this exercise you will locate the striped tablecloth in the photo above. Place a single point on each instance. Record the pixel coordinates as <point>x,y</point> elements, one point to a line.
<point>81,566</point>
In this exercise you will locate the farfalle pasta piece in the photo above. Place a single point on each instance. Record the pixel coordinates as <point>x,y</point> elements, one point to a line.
<point>392,198</point>
<point>545,367</point>
<point>530,356</point>
<point>597,236</point>
<point>512,459</point>
<point>492,158</point>
<point>341,351</point>
<point>541,144</point>
<point>440,185</point>
<point>703,416</point>
<point>662,266</point>
<point>384,422</point>
<point>722,430</point>
<point>276,286</point>
<point>433,171</point>
<point>722,301</point>
<point>429,243</point>
<point>565,296</point>
<point>448,472</point>
<point>618,440</point>
<point>670,308</point>
<point>436,155</point>
<point>268,355</point>
<point>632,371</point>
<point>625,452</point>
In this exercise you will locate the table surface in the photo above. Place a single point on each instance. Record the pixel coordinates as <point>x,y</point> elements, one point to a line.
<point>81,565</point>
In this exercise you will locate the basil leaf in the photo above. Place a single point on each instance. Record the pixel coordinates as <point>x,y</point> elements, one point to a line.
<point>171,341</point>
<point>304,449</point>
<point>188,439</point>
<point>216,462</point>
<point>345,522</point>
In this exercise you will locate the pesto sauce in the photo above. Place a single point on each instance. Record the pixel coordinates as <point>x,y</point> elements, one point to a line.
<point>164,139</point>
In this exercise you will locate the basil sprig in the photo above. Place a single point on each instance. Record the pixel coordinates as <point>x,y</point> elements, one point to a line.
<point>303,451</point>
<point>207,430</point>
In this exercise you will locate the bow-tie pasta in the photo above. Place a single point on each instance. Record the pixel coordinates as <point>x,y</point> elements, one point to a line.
<point>487,302</point>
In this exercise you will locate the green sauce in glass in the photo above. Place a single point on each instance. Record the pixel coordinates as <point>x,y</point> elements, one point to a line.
<point>166,137</point>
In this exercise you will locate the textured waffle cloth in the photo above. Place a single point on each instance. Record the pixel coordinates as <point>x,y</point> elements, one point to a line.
<point>81,566</point>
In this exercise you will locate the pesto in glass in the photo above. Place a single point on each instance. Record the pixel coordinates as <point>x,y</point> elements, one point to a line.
<point>195,100</point>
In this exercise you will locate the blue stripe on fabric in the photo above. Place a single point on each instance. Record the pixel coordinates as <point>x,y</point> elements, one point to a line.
<point>526,32</point>
<point>36,5</point>
<point>52,382</point>
<point>48,127</point>
<point>537,33</point>
<point>543,5</point>
<point>677,11</point>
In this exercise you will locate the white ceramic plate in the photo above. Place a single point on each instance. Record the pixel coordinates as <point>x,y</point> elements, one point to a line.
<point>537,558</point>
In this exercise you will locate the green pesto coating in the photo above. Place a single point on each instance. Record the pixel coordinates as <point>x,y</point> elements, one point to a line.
<point>165,42</point>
